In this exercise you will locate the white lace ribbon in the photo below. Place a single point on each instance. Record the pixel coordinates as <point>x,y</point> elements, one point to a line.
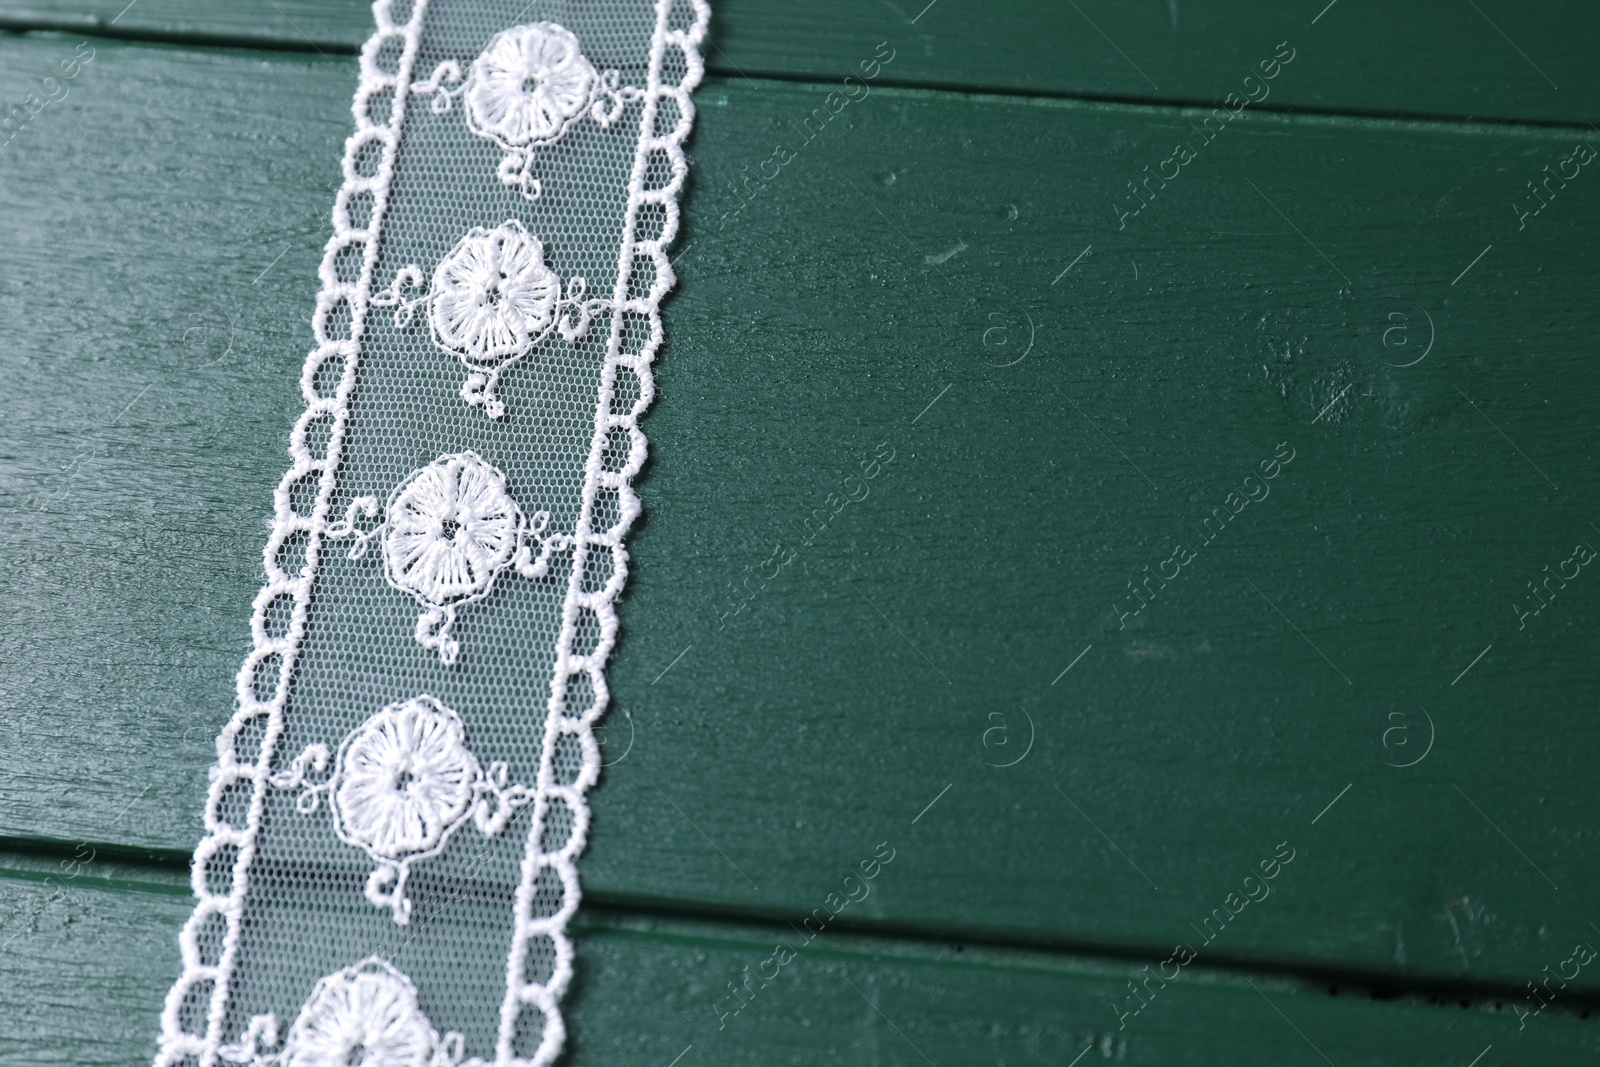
<point>429,647</point>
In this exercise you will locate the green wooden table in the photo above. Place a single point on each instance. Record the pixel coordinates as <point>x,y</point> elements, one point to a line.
<point>1133,466</point>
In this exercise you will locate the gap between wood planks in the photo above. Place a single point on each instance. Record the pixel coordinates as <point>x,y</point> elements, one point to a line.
<point>98,28</point>
<point>722,73</point>
<point>166,872</point>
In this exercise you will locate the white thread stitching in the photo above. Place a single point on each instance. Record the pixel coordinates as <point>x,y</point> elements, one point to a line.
<point>493,295</point>
<point>403,782</point>
<point>446,569</point>
<point>367,1013</point>
<point>491,302</point>
<point>527,89</point>
<point>529,86</point>
<point>337,303</point>
<point>504,108</point>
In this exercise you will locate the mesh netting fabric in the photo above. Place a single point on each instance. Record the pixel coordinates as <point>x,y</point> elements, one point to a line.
<point>397,807</point>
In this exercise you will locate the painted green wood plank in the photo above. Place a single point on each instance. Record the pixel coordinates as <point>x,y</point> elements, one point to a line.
<point>1440,57</point>
<point>295,24</point>
<point>1435,57</point>
<point>135,508</point>
<point>1241,315</point>
<point>88,965</point>
<point>864,298</point>
<point>83,966</point>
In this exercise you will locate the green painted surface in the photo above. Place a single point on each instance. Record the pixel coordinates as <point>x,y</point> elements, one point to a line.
<point>1492,60</point>
<point>1204,339</point>
<point>151,367</point>
<point>95,961</point>
<point>876,296</point>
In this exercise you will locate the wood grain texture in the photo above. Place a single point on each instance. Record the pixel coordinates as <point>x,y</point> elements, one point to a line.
<point>900,255</point>
<point>151,371</point>
<point>86,961</point>
<point>293,24</point>
<point>1437,57</point>
<point>868,295</point>
<point>94,960</point>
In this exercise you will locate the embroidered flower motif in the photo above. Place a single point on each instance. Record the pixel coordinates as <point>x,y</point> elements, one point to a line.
<point>528,86</point>
<point>403,782</point>
<point>366,1014</point>
<point>491,302</point>
<point>526,90</point>
<point>407,779</point>
<point>450,529</point>
<point>493,295</point>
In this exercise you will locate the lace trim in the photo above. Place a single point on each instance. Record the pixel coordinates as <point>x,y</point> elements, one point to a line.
<point>370,1007</point>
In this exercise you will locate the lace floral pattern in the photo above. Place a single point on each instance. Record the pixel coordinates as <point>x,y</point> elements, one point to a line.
<point>492,301</point>
<point>452,529</point>
<point>526,90</point>
<point>449,530</point>
<point>407,780</point>
<point>528,86</point>
<point>367,1015</point>
<point>403,782</point>
<point>493,294</point>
